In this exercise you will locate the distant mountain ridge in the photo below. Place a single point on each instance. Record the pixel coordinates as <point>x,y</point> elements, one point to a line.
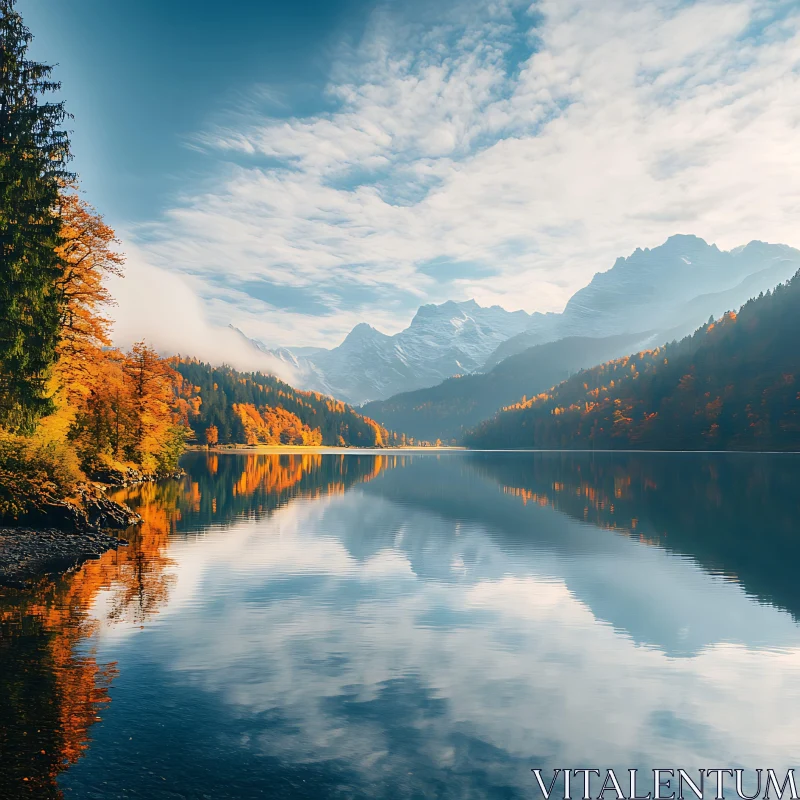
<point>448,410</point>
<point>668,290</point>
<point>734,384</point>
<point>672,288</point>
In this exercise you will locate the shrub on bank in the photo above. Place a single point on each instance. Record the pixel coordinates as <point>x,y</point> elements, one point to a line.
<point>35,471</point>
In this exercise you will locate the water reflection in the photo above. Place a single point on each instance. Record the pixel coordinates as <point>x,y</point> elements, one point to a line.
<point>735,514</point>
<point>53,688</point>
<point>418,626</point>
<point>220,488</point>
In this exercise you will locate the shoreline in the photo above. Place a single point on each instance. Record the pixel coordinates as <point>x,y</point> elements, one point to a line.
<point>325,449</point>
<point>40,548</point>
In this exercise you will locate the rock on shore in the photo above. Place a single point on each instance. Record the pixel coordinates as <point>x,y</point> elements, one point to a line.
<point>129,476</point>
<point>89,510</point>
<point>27,555</point>
<point>61,535</point>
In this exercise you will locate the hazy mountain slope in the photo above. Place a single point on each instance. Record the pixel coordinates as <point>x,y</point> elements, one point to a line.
<point>447,410</point>
<point>441,341</point>
<point>670,289</point>
<point>673,287</point>
<point>733,384</point>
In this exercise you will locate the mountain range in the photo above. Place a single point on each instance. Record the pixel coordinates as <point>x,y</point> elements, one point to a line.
<point>448,410</point>
<point>441,341</point>
<point>663,293</point>
<point>670,290</point>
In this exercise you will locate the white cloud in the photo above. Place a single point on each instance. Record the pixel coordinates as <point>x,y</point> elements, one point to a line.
<point>630,121</point>
<point>163,308</point>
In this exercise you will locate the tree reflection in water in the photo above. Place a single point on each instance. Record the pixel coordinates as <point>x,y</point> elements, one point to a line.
<point>52,688</point>
<point>735,514</point>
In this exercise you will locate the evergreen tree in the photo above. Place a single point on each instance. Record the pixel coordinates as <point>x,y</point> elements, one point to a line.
<point>251,408</point>
<point>33,153</point>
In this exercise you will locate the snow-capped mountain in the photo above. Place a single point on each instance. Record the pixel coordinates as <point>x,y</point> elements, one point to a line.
<point>441,341</point>
<point>670,290</point>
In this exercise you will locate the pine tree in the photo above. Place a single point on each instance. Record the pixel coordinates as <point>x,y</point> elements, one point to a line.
<point>33,153</point>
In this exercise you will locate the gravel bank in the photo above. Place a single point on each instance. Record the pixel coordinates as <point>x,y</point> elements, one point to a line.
<point>27,555</point>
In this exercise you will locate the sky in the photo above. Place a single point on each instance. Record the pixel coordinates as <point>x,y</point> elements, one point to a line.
<point>295,168</point>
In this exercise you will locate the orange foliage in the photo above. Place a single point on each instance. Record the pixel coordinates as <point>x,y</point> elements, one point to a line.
<point>212,435</point>
<point>270,425</point>
<point>88,257</point>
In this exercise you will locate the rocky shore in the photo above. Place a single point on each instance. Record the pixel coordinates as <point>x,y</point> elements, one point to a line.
<point>131,476</point>
<point>28,555</point>
<point>63,534</point>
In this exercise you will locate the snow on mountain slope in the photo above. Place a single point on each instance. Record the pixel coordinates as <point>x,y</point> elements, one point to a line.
<point>441,341</point>
<point>671,289</point>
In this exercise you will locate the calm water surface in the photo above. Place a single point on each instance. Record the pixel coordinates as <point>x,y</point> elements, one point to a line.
<point>425,626</point>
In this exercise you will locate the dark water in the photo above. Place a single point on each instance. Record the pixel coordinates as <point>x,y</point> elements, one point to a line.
<point>426,626</point>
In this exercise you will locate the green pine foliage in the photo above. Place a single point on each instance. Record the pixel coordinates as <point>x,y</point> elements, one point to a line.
<point>734,384</point>
<point>33,152</point>
<point>221,388</point>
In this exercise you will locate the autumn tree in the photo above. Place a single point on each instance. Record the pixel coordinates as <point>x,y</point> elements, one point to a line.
<point>253,407</point>
<point>33,153</point>
<point>88,256</point>
<point>149,380</point>
<point>212,435</point>
<point>733,384</point>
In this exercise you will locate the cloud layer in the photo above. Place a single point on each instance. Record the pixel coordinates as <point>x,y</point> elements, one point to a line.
<point>495,150</point>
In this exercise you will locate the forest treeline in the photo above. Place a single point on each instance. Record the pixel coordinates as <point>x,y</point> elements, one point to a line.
<point>446,411</point>
<point>224,406</point>
<point>734,384</point>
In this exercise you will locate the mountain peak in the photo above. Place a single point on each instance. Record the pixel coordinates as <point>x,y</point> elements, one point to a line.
<point>686,238</point>
<point>363,332</point>
<point>447,310</point>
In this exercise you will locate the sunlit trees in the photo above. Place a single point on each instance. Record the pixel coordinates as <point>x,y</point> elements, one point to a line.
<point>88,256</point>
<point>128,417</point>
<point>212,435</point>
<point>33,152</point>
<point>249,407</point>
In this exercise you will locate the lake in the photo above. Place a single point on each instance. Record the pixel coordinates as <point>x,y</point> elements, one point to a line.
<point>426,625</point>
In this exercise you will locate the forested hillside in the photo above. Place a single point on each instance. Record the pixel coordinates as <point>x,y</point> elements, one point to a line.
<point>446,411</point>
<point>734,384</point>
<point>224,406</point>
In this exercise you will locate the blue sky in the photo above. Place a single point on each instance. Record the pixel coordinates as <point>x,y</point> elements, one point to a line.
<point>296,168</point>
